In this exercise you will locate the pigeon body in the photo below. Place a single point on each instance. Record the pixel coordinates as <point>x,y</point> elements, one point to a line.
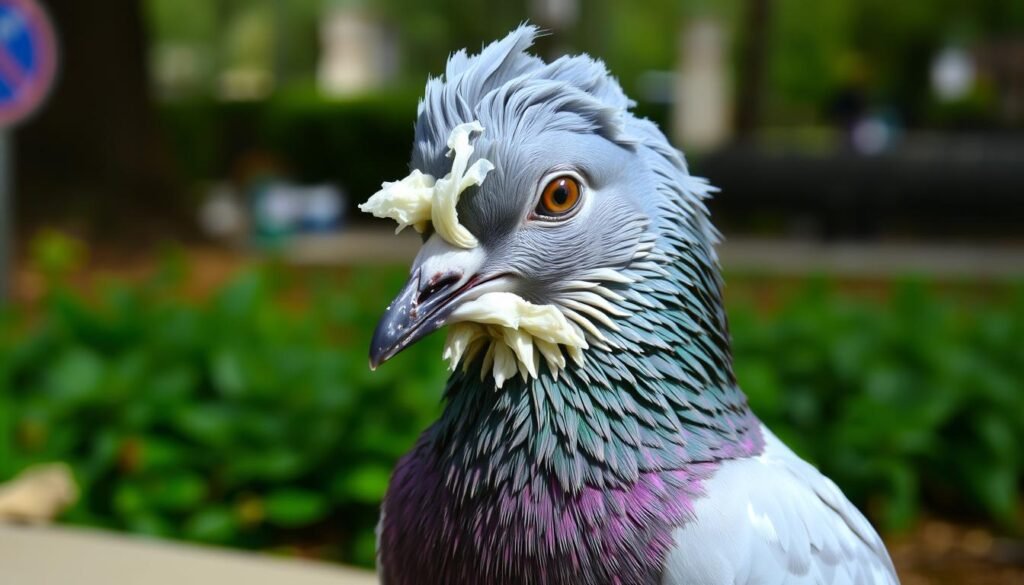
<point>623,452</point>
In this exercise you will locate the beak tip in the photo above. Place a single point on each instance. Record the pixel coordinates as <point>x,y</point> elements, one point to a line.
<point>377,357</point>
<point>381,350</point>
<point>413,314</point>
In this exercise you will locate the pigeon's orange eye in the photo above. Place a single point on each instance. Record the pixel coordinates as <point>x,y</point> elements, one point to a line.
<point>559,197</point>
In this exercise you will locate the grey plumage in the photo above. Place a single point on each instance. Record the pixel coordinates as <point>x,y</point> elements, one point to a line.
<point>774,518</point>
<point>632,465</point>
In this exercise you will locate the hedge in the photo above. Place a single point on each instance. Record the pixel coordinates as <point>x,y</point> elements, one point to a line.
<point>250,418</point>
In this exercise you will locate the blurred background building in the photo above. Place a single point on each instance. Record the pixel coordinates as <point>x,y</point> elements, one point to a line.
<point>206,157</point>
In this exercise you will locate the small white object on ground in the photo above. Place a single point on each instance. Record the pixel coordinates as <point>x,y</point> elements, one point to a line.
<point>39,494</point>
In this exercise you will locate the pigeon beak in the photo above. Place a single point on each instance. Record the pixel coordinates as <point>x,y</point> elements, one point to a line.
<point>421,307</point>
<point>443,278</point>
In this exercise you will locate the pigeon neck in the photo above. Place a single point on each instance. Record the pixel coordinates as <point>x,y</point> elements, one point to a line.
<point>659,394</point>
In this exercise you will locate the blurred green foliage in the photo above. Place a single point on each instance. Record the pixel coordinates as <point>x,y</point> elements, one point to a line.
<point>250,418</point>
<point>814,50</point>
<point>915,402</point>
<point>297,133</point>
<point>237,420</point>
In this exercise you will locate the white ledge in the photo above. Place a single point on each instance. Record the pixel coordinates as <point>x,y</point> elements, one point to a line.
<point>58,555</point>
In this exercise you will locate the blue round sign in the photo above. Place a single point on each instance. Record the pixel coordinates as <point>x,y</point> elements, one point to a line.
<point>28,59</point>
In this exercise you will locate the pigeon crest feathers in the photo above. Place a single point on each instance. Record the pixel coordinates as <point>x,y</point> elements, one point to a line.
<point>513,89</point>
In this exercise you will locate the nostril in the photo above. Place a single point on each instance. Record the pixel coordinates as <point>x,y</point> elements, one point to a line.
<point>437,284</point>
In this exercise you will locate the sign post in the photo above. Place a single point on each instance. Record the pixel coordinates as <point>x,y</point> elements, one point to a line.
<point>6,221</point>
<point>28,66</point>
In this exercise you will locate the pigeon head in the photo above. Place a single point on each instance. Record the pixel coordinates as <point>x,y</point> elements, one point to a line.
<point>542,201</point>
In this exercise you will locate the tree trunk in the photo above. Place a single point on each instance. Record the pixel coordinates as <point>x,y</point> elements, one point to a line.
<point>94,155</point>
<point>754,53</point>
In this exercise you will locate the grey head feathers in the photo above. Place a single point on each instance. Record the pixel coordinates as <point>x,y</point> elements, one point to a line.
<point>501,85</point>
<point>543,118</point>
<point>636,268</point>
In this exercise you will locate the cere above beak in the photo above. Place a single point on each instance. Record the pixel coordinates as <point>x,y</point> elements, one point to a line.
<point>420,308</point>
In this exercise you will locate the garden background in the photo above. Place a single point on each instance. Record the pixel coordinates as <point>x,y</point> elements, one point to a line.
<point>192,291</point>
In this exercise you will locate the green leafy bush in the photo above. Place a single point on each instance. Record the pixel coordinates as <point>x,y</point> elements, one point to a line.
<point>918,400</point>
<point>237,420</point>
<point>250,418</point>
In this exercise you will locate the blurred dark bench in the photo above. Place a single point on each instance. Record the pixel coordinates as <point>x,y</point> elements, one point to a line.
<point>928,185</point>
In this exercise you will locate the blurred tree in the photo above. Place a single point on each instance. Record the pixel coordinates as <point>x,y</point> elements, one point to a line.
<point>431,30</point>
<point>756,26</point>
<point>184,56</point>
<point>820,49</point>
<point>94,154</point>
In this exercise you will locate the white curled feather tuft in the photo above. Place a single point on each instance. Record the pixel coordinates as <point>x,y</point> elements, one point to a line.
<point>420,199</point>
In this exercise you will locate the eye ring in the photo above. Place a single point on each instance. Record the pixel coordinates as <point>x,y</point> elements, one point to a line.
<point>559,198</point>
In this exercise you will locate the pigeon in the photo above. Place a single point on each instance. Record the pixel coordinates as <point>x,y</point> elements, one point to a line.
<point>593,431</point>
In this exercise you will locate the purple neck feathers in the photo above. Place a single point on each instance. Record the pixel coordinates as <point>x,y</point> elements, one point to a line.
<point>538,534</point>
<point>555,482</point>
